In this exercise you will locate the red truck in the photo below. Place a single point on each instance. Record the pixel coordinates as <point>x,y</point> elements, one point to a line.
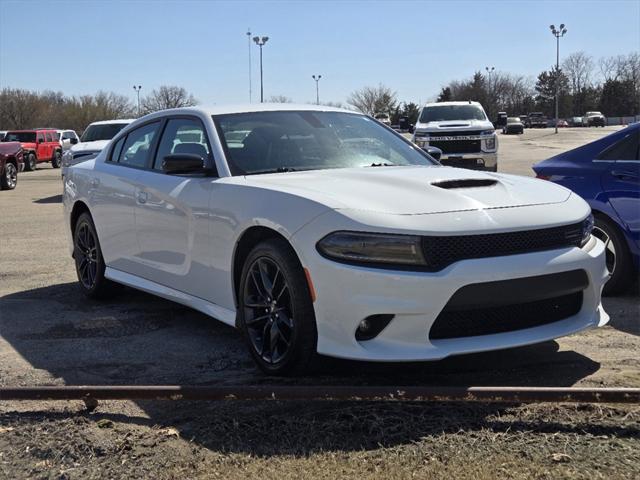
<point>11,162</point>
<point>38,146</point>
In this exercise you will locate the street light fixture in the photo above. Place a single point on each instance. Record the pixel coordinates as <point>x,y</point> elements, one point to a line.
<point>249,44</point>
<point>557,32</point>
<point>317,79</point>
<point>137,89</point>
<point>260,41</point>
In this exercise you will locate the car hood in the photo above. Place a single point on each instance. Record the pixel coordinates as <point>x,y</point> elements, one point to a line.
<point>454,125</point>
<point>90,146</point>
<point>413,190</point>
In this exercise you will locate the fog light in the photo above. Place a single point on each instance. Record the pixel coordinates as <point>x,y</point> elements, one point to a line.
<point>371,326</point>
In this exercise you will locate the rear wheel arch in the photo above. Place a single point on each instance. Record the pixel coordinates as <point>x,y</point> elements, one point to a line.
<point>78,209</point>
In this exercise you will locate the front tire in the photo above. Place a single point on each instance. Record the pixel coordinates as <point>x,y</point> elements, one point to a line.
<point>275,310</point>
<point>9,180</point>
<point>30,163</point>
<point>618,257</point>
<point>88,258</point>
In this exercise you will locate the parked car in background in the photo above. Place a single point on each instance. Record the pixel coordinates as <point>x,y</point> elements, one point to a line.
<point>606,173</point>
<point>38,145</point>
<point>11,162</point>
<point>2,134</point>
<point>501,121</point>
<point>383,118</point>
<point>536,120</point>
<point>575,122</point>
<point>594,119</point>
<point>523,119</point>
<point>513,125</point>
<point>322,231</point>
<point>67,139</point>
<point>462,131</point>
<point>95,137</point>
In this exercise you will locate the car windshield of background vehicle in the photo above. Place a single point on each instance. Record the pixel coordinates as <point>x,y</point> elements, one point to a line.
<point>262,142</point>
<point>101,132</point>
<point>451,112</point>
<point>513,120</point>
<point>24,137</point>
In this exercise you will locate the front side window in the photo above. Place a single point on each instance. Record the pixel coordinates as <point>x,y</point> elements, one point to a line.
<point>625,149</point>
<point>264,142</point>
<point>182,135</point>
<point>40,137</point>
<point>440,113</point>
<point>137,147</point>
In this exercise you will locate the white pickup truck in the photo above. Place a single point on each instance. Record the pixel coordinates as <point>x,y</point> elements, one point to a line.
<point>462,131</point>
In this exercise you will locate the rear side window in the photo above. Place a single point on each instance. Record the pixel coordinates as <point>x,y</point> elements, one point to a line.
<point>625,149</point>
<point>137,147</point>
<point>49,137</point>
<point>182,135</point>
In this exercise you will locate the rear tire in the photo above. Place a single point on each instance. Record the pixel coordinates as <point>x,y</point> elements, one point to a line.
<point>275,310</point>
<point>88,258</point>
<point>30,162</point>
<point>618,257</point>
<point>9,179</point>
<point>56,160</point>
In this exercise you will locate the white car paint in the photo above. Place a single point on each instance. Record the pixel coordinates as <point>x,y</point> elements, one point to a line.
<point>180,242</point>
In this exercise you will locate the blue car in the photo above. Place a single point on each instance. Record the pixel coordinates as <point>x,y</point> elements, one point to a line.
<point>606,173</point>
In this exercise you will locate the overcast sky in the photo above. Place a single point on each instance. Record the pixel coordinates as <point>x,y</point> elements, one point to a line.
<point>413,47</point>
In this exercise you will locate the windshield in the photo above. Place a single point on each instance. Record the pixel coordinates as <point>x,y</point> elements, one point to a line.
<point>105,131</point>
<point>262,142</point>
<point>513,120</point>
<point>439,113</point>
<point>24,137</point>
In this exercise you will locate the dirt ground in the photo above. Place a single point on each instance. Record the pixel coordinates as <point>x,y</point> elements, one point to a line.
<point>51,335</point>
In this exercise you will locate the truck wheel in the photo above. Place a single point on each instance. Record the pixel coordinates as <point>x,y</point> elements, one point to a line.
<point>30,164</point>
<point>57,158</point>
<point>9,180</point>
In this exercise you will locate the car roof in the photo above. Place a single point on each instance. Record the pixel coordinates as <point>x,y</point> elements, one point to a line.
<point>256,107</point>
<point>108,122</point>
<point>469,102</point>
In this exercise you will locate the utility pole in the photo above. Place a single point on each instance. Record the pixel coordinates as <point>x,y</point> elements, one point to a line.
<point>557,33</point>
<point>249,44</point>
<point>317,79</point>
<point>137,89</point>
<point>260,41</point>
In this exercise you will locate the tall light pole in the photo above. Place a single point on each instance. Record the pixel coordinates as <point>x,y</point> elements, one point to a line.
<point>317,79</point>
<point>490,70</point>
<point>260,41</point>
<point>249,44</point>
<point>557,33</point>
<point>137,89</point>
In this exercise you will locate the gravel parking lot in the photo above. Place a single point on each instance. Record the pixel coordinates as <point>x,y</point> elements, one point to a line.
<point>51,335</point>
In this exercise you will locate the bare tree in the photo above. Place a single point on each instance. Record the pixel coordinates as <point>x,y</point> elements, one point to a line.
<point>167,96</point>
<point>280,99</point>
<point>578,67</point>
<point>372,100</point>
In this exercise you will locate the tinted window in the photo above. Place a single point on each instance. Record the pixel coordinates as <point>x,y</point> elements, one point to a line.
<point>138,145</point>
<point>624,149</point>
<point>41,137</point>
<point>101,132</point>
<point>182,135</point>
<point>117,149</point>
<point>49,137</point>
<point>260,142</point>
<point>439,113</point>
<point>69,135</point>
<point>25,137</point>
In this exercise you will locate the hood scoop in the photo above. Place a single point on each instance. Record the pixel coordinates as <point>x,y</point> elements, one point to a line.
<point>465,183</point>
<point>447,125</point>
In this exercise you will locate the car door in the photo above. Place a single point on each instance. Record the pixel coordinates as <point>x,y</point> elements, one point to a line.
<point>172,213</point>
<point>50,140</point>
<point>621,179</point>
<point>113,195</point>
<point>41,147</point>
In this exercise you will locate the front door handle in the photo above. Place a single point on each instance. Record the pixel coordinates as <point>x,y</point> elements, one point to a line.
<point>142,197</point>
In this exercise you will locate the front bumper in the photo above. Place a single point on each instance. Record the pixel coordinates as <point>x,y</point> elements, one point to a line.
<point>472,161</point>
<point>347,294</point>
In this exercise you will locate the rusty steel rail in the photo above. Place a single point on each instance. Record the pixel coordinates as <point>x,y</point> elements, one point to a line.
<point>90,394</point>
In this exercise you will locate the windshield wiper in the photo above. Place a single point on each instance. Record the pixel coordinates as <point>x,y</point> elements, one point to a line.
<point>274,170</point>
<point>383,164</point>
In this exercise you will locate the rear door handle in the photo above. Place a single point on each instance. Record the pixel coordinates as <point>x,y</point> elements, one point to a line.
<point>624,174</point>
<point>142,197</point>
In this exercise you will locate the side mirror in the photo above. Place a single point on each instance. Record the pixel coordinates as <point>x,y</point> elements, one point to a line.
<point>74,141</point>
<point>177,163</point>
<point>435,152</point>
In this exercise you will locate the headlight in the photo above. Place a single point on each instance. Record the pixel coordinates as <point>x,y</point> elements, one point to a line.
<point>356,247</point>
<point>587,228</point>
<point>490,142</point>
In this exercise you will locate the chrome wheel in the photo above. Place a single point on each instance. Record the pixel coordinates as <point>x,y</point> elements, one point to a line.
<point>86,256</point>
<point>268,310</point>
<point>11,176</point>
<point>610,249</point>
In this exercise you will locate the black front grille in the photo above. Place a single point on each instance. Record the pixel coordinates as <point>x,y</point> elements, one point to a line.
<point>441,252</point>
<point>504,318</point>
<point>461,133</point>
<point>457,146</point>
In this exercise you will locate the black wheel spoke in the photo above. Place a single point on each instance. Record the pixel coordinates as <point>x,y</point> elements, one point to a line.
<point>264,276</point>
<point>258,319</point>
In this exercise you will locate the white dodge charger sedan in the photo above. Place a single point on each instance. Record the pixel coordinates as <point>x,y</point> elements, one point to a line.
<point>317,230</point>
